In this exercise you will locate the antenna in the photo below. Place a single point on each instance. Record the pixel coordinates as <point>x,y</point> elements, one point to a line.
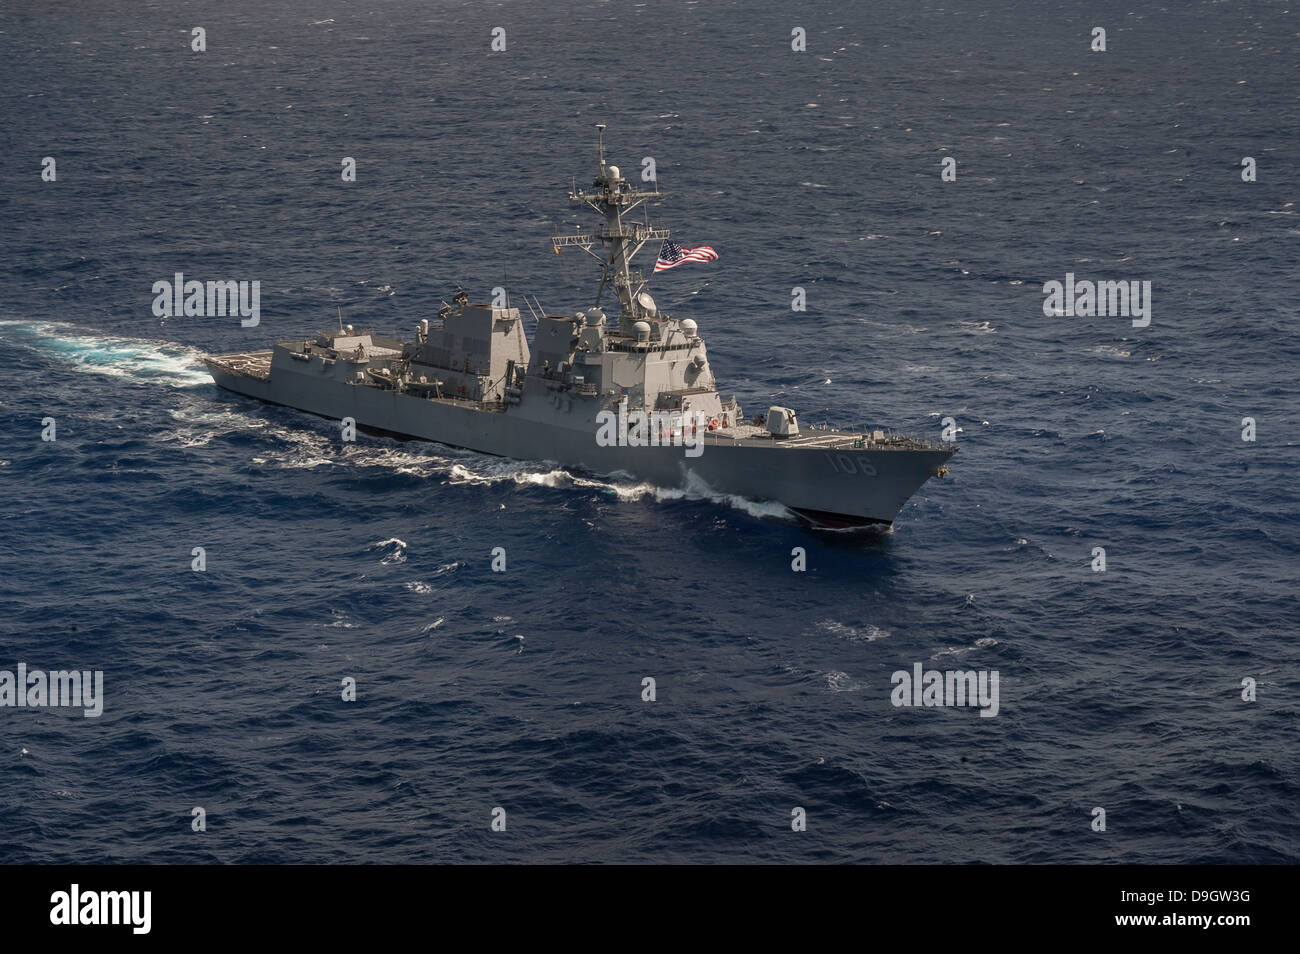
<point>505,284</point>
<point>600,145</point>
<point>340,308</point>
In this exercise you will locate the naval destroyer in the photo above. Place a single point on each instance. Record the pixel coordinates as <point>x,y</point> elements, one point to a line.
<point>635,396</point>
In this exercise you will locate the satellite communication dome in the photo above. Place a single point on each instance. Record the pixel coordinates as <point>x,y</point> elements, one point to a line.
<point>614,173</point>
<point>690,328</point>
<point>642,329</point>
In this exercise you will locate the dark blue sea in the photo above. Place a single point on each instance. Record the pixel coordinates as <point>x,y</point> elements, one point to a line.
<point>522,690</point>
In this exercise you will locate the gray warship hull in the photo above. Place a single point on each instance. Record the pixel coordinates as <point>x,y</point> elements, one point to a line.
<point>636,398</point>
<point>820,475</point>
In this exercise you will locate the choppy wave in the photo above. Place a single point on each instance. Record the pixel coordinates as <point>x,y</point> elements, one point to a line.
<point>864,634</point>
<point>393,550</point>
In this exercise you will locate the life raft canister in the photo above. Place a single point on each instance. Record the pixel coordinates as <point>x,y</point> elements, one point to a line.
<point>725,421</point>
<point>713,424</point>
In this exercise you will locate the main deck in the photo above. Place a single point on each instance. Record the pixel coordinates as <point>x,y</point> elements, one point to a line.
<point>247,364</point>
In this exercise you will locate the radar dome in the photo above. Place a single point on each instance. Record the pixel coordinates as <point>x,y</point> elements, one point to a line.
<point>614,173</point>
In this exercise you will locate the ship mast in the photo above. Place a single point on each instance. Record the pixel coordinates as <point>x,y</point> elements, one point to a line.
<point>614,199</point>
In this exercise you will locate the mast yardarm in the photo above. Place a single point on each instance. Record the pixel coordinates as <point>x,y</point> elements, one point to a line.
<point>614,198</point>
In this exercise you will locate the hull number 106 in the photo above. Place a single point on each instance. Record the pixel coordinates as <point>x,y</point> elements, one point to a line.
<point>844,464</point>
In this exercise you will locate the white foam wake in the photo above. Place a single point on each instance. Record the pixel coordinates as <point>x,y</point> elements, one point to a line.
<point>136,359</point>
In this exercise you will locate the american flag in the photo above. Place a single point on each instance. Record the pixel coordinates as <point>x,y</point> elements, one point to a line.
<point>672,255</point>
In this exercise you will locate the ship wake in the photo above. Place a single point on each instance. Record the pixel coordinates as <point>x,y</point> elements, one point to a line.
<point>626,489</point>
<point>135,359</point>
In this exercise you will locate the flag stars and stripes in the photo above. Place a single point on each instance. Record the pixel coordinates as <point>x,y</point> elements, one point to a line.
<point>672,255</point>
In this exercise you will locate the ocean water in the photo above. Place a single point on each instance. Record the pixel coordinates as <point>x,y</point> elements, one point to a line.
<point>522,690</point>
